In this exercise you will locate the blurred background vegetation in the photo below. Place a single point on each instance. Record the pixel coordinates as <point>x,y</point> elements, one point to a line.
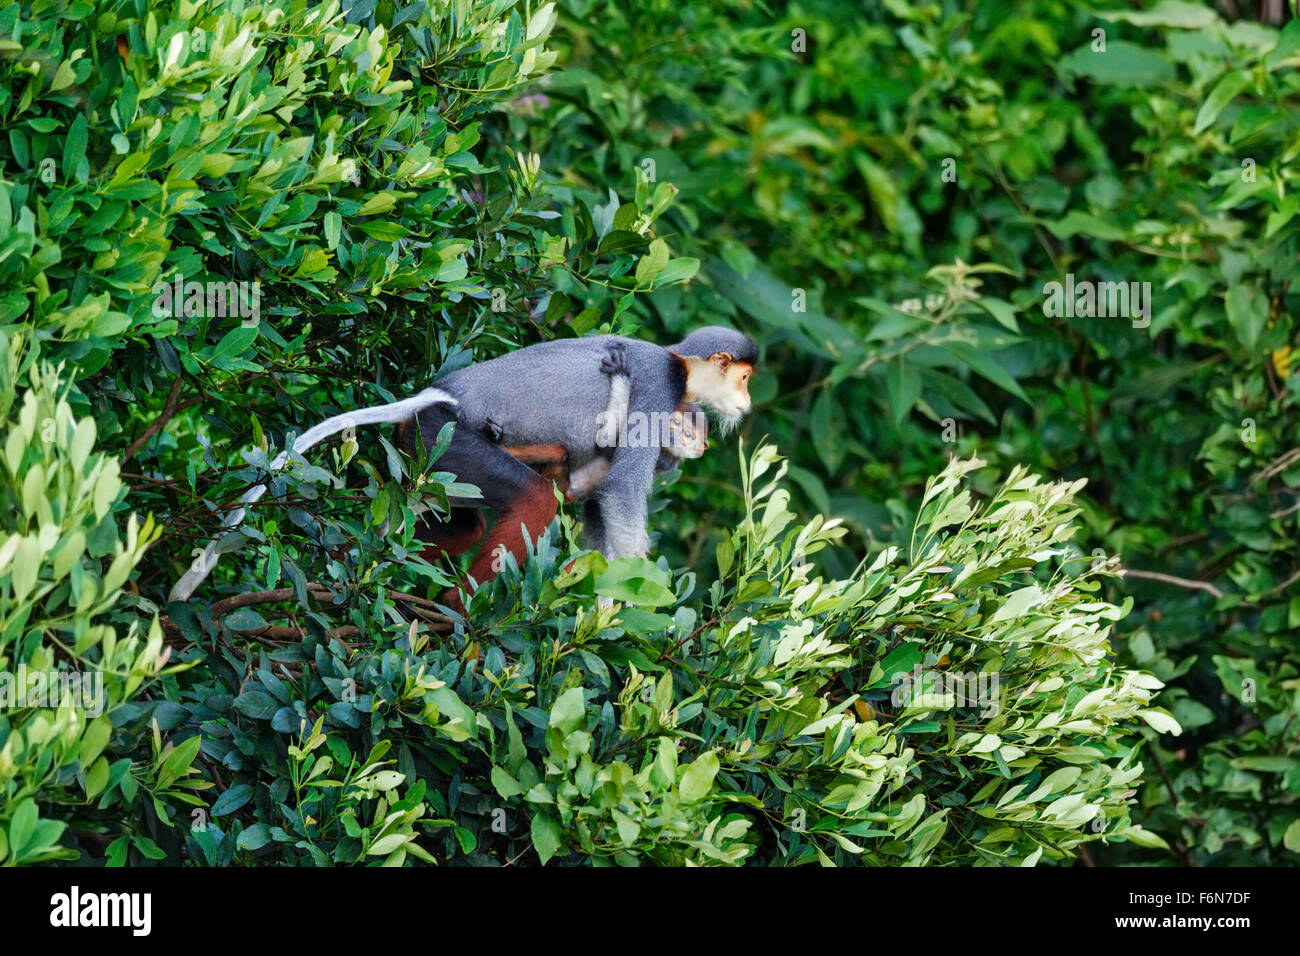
<point>877,192</point>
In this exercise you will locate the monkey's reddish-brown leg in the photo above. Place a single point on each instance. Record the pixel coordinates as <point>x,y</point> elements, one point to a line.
<point>531,513</point>
<point>524,501</point>
<point>456,536</point>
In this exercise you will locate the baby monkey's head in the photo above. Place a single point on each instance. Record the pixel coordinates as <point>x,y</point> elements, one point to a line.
<point>688,432</point>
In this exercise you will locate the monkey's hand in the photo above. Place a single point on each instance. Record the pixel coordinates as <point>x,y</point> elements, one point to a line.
<point>615,360</point>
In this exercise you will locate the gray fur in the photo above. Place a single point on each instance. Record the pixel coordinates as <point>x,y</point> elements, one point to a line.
<point>716,338</point>
<point>513,390</point>
<point>553,392</point>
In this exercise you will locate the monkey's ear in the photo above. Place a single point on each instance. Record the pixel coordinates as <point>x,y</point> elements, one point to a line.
<point>721,359</point>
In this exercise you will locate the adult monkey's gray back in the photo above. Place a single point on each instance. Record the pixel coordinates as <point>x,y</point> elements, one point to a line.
<point>555,392</point>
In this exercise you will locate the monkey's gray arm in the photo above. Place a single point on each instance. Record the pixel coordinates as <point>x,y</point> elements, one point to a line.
<point>622,501</point>
<point>594,526</point>
<point>391,413</point>
<point>621,497</point>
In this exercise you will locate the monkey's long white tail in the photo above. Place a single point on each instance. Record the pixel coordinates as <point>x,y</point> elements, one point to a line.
<point>378,414</point>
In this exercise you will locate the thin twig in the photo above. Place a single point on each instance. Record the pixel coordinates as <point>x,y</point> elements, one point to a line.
<point>1205,586</point>
<point>169,410</point>
<point>249,598</point>
<point>1283,586</point>
<point>1277,466</point>
<point>422,608</point>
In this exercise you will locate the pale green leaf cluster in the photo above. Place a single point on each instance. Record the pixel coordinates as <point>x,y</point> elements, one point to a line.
<point>63,565</point>
<point>956,703</point>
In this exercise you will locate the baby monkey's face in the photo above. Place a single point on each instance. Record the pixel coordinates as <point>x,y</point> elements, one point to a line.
<point>688,433</point>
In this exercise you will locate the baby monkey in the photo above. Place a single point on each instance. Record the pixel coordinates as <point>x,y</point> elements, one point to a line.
<point>684,435</point>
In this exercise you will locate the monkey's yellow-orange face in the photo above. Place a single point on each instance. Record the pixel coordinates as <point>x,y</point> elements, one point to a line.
<point>721,384</point>
<point>738,374</point>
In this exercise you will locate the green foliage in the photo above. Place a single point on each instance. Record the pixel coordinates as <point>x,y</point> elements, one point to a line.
<point>882,198</point>
<point>763,721</point>
<point>276,143</point>
<point>73,714</point>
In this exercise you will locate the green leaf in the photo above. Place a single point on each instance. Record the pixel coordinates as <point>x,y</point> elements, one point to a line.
<point>827,427</point>
<point>986,367</point>
<point>1160,722</point>
<point>180,761</point>
<point>1017,603</point>
<point>725,554</point>
<point>74,147</point>
<point>697,780</point>
<point>652,263</point>
<point>1223,93</point>
<point>1247,309</point>
<point>628,829</point>
<point>1291,838</point>
<point>904,386</point>
<point>569,711</point>
<point>1288,45</point>
<point>22,825</point>
<point>1076,223</point>
<point>380,202</point>
<point>901,660</point>
<point>96,778</point>
<point>1145,838</point>
<point>233,345</point>
<point>232,799</point>
<point>546,835</point>
<point>1122,64</point>
<point>505,784</point>
<point>1003,312</point>
<point>1167,13</point>
<point>255,837</point>
<point>636,581</point>
<point>449,704</point>
<point>244,619</point>
<point>383,231</point>
<point>148,847</point>
<point>333,229</point>
<point>678,270</point>
<point>256,703</point>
